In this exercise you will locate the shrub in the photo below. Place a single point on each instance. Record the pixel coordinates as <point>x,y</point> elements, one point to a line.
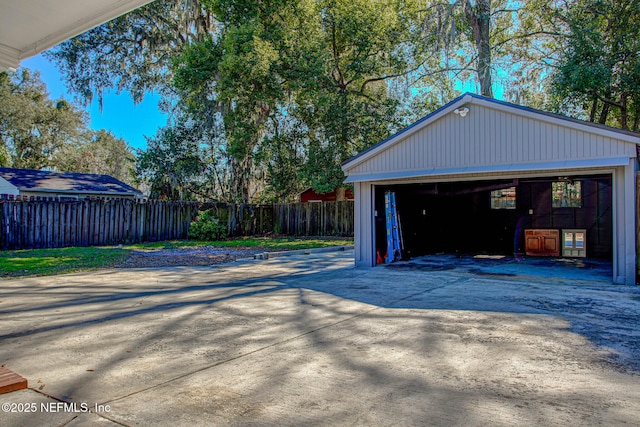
<point>207,227</point>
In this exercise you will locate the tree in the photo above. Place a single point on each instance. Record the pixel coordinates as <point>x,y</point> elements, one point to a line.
<point>283,156</point>
<point>478,16</point>
<point>281,92</point>
<point>599,69</point>
<point>497,41</point>
<point>321,64</point>
<point>341,125</point>
<point>459,34</point>
<point>33,127</point>
<point>238,76</point>
<point>5,157</point>
<point>132,52</point>
<point>362,46</point>
<point>179,165</point>
<point>99,152</point>
<point>37,133</point>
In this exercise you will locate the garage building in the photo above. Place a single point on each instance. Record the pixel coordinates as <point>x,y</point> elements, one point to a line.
<point>485,176</point>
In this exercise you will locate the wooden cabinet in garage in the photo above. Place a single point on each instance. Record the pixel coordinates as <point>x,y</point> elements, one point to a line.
<point>542,242</point>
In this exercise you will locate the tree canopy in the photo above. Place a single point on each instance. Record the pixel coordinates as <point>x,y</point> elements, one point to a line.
<point>599,69</point>
<point>98,152</point>
<point>37,132</point>
<point>32,126</point>
<point>132,52</point>
<point>281,66</point>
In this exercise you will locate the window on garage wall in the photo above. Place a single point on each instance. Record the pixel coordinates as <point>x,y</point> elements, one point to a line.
<point>566,194</point>
<point>504,198</point>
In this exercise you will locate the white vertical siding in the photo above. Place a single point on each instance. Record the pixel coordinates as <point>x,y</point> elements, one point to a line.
<point>491,137</point>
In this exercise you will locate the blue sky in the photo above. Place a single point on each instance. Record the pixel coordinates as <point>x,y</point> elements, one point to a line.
<point>119,114</point>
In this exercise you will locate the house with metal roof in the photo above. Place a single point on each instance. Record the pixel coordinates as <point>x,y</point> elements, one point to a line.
<point>485,176</point>
<point>29,183</point>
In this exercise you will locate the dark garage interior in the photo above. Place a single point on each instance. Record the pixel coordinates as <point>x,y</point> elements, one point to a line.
<point>492,216</point>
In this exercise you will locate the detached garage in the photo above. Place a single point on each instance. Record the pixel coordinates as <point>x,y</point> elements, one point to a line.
<point>485,176</point>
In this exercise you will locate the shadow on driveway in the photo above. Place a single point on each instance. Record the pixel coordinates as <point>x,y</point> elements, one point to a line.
<point>313,340</point>
<point>578,290</point>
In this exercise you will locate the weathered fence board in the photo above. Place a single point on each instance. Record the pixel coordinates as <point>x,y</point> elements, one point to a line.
<point>242,219</point>
<point>314,219</point>
<point>53,223</point>
<point>294,219</point>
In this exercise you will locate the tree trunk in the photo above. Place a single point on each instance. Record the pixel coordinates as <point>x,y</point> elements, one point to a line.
<point>479,18</point>
<point>605,108</point>
<point>594,109</point>
<point>623,111</point>
<point>242,155</point>
<point>241,179</point>
<point>636,115</point>
<point>604,113</point>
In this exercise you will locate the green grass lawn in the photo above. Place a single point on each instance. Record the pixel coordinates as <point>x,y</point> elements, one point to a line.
<point>43,262</point>
<point>273,243</point>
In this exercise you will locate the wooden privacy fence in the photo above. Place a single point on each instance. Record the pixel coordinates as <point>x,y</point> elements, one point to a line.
<point>38,224</point>
<point>314,219</point>
<point>294,219</point>
<point>55,224</point>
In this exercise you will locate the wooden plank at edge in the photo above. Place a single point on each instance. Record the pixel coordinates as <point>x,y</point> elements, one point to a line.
<point>10,381</point>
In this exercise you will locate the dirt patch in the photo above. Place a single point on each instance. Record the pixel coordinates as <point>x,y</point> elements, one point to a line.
<point>174,257</point>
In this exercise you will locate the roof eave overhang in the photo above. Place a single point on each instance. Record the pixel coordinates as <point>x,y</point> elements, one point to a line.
<point>10,57</point>
<point>492,169</point>
<point>81,192</point>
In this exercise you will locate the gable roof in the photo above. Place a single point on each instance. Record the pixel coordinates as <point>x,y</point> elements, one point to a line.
<point>65,182</point>
<point>474,99</point>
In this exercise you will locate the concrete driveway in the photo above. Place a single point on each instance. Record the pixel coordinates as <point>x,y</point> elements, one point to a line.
<point>311,340</point>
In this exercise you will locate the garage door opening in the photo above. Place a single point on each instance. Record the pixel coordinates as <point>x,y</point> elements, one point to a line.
<point>491,217</point>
